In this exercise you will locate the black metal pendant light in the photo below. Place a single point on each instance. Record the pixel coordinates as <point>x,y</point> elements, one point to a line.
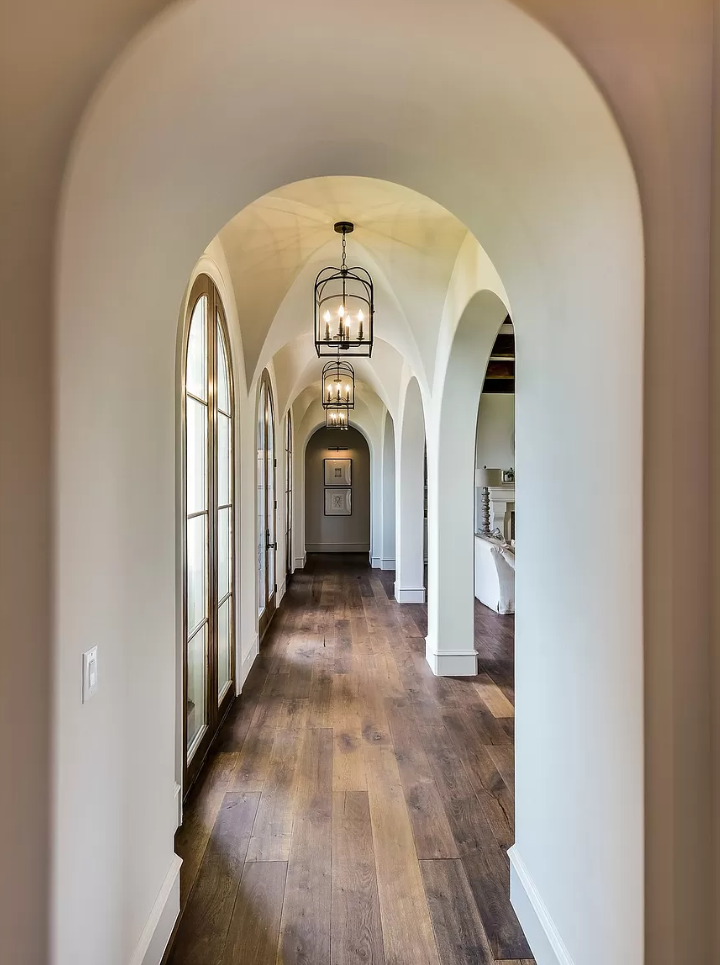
<point>344,307</point>
<point>336,419</point>
<point>338,385</point>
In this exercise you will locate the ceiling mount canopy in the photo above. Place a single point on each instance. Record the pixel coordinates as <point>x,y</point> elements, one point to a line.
<point>338,385</point>
<point>344,306</point>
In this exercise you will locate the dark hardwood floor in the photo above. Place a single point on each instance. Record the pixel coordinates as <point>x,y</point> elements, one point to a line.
<point>356,810</point>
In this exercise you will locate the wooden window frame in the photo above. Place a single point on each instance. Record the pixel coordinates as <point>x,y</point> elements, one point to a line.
<point>288,492</point>
<point>270,465</point>
<point>216,708</point>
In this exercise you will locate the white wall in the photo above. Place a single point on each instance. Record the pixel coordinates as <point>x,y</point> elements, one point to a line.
<point>494,445</point>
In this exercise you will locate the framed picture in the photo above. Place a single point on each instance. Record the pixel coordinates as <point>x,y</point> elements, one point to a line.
<point>508,476</point>
<point>338,472</point>
<point>338,502</point>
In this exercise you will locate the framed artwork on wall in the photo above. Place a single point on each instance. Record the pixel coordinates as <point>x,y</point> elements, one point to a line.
<point>338,472</point>
<point>338,502</point>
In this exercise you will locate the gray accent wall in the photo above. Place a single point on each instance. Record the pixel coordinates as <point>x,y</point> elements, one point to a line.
<point>337,534</point>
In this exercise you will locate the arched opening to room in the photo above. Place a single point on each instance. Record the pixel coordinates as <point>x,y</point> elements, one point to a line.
<point>555,269</point>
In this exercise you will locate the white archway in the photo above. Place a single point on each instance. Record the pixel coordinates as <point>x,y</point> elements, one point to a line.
<point>536,168</point>
<point>308,426</point>
<point>410,498</point>
<point>451,491</point>
<point>387,559</point>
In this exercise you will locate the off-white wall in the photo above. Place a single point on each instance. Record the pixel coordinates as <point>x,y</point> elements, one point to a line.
<point>495,431</point>
<point>337,534</point>
<point>652,62</point>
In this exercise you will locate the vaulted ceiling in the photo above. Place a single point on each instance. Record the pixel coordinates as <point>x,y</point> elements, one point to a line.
<point>275,247</point>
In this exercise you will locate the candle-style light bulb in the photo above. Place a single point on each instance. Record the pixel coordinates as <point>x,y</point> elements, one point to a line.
<point>341,311</point>
<point>347,391</point>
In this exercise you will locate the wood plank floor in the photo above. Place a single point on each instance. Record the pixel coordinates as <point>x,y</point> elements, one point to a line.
<point>355,810</point>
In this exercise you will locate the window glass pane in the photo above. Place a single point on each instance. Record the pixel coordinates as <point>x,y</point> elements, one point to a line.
<point>196,370</point>
<point>196,418</point>
<point>224,623</point>
<point>271,497</point>
<point>196,571</point>
<point>260,498</point>
<point>224,551</point>
<point>224,459</point>
<point>196,685</point>
<point>223,386</point>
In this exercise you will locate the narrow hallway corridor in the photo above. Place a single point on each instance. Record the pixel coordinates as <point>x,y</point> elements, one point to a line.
<point>355,808</point>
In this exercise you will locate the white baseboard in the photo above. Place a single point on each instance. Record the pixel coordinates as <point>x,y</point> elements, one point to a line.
<point>338,547</point>
<point>178,805</point>
<point>409,594</point>
<point>387,564</point>
<point>451,663</point>
<point>300,562</point>
<point>375,562</point>
<point>543,937</point>
<point>247,663</point>
<point>156,933</point>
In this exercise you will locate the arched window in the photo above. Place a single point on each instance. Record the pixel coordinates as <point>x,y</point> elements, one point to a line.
<point>208,498</point>
<point>266,505</point>
<point>288,493</point>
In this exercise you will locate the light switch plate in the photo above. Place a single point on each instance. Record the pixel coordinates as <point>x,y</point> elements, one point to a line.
<point>90,674</point>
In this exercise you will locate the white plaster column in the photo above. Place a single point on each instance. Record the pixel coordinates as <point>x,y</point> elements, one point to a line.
<point>452,431</point>
<point>376,499</point>
<point>387,561</point>
<point>410,495</point>
<point>298,496</point>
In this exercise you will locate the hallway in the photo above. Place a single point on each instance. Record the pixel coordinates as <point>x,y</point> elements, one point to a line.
<point>355,808</point>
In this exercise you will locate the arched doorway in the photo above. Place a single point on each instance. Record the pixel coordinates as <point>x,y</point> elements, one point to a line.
<point>288,493</point>
<point>266,506</point>
<point>337,492</point>
<point>550,282</point>
<point>208,526</point>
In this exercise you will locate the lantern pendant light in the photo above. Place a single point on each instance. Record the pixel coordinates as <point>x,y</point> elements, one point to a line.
<point>336,419</point>
<point>338,385</point>
<point>344,307</point>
